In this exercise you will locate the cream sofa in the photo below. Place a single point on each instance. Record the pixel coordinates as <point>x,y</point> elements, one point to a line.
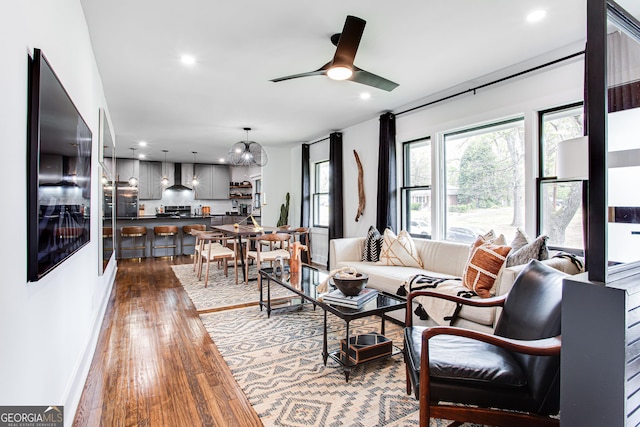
<point>440,259</point>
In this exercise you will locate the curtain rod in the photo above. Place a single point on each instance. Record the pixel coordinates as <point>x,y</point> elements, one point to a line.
<point>573,55</point>
<point>315,142</point>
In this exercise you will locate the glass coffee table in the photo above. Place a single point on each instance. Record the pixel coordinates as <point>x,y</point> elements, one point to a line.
<point>304,284</point>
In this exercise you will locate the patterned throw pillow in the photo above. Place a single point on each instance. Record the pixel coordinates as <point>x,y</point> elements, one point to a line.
<point>484,266</point>
<point>533,250</point>
<point>372,245</point>
<point>520,239</point>
<point>399,250</point>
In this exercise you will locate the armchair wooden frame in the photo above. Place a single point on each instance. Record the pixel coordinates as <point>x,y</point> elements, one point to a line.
<point>481,415</point>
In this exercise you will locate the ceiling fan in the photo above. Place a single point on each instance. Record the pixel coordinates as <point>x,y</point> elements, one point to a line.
<point>341,67</point>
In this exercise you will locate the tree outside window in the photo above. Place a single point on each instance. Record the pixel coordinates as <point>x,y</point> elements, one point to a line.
<point>484,180</point>
<point>559,213</point>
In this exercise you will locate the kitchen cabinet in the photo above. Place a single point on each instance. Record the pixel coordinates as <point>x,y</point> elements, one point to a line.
<point>126,168</point>
<point>213,181</point>
<point>150,186</point>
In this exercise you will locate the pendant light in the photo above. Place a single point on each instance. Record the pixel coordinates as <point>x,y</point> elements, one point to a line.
<point>133,181</point>
<point>164,181</point>
<point>247,153</point>
<point>194,181</point>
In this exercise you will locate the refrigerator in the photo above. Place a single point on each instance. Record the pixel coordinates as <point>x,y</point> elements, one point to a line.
<point>126,200</point>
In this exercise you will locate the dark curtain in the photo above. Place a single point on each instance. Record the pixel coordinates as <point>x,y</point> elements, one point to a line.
<point>336,200</point>
<point>305,209</point>
<point>386,214</point>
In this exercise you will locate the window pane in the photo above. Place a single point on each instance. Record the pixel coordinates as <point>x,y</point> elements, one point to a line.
<point>322,177</point>
<point>417,160</point>
<point>418,212</point>
<point>485,181</point>
<point>321,210</point>
<point>561,213</point>
<point>556,127</point>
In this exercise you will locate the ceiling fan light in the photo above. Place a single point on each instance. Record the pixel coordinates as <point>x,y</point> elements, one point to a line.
<point>339,72</point>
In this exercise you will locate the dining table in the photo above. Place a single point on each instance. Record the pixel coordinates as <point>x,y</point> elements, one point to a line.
<point>243,231</point>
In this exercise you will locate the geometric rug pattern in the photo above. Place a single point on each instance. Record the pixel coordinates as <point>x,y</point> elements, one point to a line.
<point>277,360</point>
<point>221,291</point>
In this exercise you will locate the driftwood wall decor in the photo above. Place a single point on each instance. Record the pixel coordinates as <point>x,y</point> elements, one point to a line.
<point>361,198</point>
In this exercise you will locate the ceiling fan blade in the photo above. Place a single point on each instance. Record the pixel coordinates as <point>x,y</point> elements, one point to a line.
<point>349,41</point>
<point>370,79</point>
<point>319,72</point>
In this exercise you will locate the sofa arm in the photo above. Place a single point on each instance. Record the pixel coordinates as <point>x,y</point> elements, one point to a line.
<point>345,249</point>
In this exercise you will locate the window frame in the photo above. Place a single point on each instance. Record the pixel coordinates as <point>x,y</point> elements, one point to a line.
<point>473,130</point>
<point>316,194</point>
<point>405,189</point>
<point>542,179</point>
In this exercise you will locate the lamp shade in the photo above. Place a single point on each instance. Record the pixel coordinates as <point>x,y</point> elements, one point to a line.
<point>573,158</point>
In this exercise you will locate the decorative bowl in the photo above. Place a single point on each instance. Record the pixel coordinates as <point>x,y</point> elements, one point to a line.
<point>350,285</point>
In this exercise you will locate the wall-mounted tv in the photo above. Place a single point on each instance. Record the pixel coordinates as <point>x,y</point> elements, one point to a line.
<point>59,172</point>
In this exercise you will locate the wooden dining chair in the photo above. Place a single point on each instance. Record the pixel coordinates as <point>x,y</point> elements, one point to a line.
<point>214,247</point>
<point>280,244</point>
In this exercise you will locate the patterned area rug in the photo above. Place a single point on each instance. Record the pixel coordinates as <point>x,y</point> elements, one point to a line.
<point>221,291</point>
<point>278,363</point>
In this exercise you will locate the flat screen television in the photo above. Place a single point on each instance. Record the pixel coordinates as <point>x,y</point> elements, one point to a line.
<point>59,172</point>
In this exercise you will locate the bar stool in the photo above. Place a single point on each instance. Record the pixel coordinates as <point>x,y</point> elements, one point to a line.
<point>137,235</point>
<point>164,232</point>
<point>186,232</point>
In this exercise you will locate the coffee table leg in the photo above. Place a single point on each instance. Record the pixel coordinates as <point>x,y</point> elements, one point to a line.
<point>261,304</point>
<point>325,354</point>
<point>346,366</point>
<point>382,326</point>
<point>268,296</point>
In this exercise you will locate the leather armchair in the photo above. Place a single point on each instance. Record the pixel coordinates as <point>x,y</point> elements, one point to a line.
<point>486,377</point>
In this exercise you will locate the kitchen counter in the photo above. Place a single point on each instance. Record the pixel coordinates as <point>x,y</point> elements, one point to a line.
<point>150,221</point>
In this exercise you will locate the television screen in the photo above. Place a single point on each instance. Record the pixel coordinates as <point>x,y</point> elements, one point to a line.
<point>59,177</point>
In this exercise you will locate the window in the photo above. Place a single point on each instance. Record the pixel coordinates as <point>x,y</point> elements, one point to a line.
<point>416,189</point>
<point>321,194</point>
<point>559,203</point>
<point>484,178</point>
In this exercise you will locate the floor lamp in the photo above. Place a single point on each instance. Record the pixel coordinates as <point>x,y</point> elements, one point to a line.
<point>573,164</point>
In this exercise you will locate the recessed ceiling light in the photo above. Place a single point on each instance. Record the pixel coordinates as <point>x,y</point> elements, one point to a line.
<point>142,143</point>
<point>141,156</point>
<point>365,95</point>
<point>536,15</point>
<point>222,159</point>
<point>188,60</point>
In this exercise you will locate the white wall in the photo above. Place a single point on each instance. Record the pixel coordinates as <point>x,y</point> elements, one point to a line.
<point>525,96</point>
<point>48,328</point>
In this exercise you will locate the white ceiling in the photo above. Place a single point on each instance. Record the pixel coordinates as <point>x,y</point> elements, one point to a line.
<point>426,46</point>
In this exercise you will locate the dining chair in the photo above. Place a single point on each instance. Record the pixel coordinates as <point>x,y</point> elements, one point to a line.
<point>279,244</point>
<point>214,247</point>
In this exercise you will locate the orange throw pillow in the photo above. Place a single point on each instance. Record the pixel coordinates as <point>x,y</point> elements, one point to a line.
<point>484,266</point>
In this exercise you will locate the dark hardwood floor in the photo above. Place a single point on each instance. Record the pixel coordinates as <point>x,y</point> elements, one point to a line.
<point>155,364</point>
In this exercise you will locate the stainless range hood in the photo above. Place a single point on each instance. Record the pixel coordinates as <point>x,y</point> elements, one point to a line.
<point>177,186</point>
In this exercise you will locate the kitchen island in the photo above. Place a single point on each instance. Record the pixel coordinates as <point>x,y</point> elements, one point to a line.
<point>150,221</point>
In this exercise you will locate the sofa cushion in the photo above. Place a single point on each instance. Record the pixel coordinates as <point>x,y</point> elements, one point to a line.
<point>484,265</point>
<point>399,250</point>
<point>372,245</point>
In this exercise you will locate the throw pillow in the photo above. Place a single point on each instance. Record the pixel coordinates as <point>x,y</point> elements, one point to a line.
<point>521,239</point>
<point>372,245</point>
<point>534,250</point>
<point>399,250</point>
<point>484,266</point>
